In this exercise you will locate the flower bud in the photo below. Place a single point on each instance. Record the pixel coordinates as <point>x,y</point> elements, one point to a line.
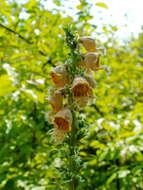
<point>88,43</point>
<point>92,61</point>
<point>80,87</point>
<point>63,120</point>
<point>56,100</point>
<point>60,76</point>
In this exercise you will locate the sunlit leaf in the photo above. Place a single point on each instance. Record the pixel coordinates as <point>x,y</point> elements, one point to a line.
<point>102,5</point>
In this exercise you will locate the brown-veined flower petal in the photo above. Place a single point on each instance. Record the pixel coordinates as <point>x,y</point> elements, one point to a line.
<point>56,100</point>
<point>59,76</point>
<point>63,120</point>
<point>80,87</point>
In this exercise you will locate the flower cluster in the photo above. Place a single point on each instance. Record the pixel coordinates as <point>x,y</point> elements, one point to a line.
<point>79,87</point>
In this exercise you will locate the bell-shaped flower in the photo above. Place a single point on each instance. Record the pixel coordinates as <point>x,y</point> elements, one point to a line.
<point>80,87</point>
<point>56,100</point>
<point>59,76</point>
<point>92,61</point>
<point>63,120</point>
<point>88,43</point>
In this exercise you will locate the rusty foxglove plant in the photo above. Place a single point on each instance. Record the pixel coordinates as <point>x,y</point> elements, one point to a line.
<point>73,83</point>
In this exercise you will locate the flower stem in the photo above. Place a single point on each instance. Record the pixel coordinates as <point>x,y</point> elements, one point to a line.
<point>73,155</point>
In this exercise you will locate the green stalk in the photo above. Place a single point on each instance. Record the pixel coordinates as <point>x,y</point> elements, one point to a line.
<point>73,46</point>
<point>72,146</point>
<point>74,182</point>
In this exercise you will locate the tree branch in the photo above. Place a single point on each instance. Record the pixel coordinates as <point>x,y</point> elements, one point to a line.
<point>21,37</point>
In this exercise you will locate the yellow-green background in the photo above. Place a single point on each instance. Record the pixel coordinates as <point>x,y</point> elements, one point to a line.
<point>111,152</point>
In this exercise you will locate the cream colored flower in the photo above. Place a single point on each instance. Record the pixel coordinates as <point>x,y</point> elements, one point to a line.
<point>63,120</point>
<point>60,76</point>
<point>92,61</point>
<point>56,100</point>
<point>80,87</point>
<point>88,43</point>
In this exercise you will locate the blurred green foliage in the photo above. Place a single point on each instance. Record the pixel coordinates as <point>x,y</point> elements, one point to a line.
<point>31,41</point>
